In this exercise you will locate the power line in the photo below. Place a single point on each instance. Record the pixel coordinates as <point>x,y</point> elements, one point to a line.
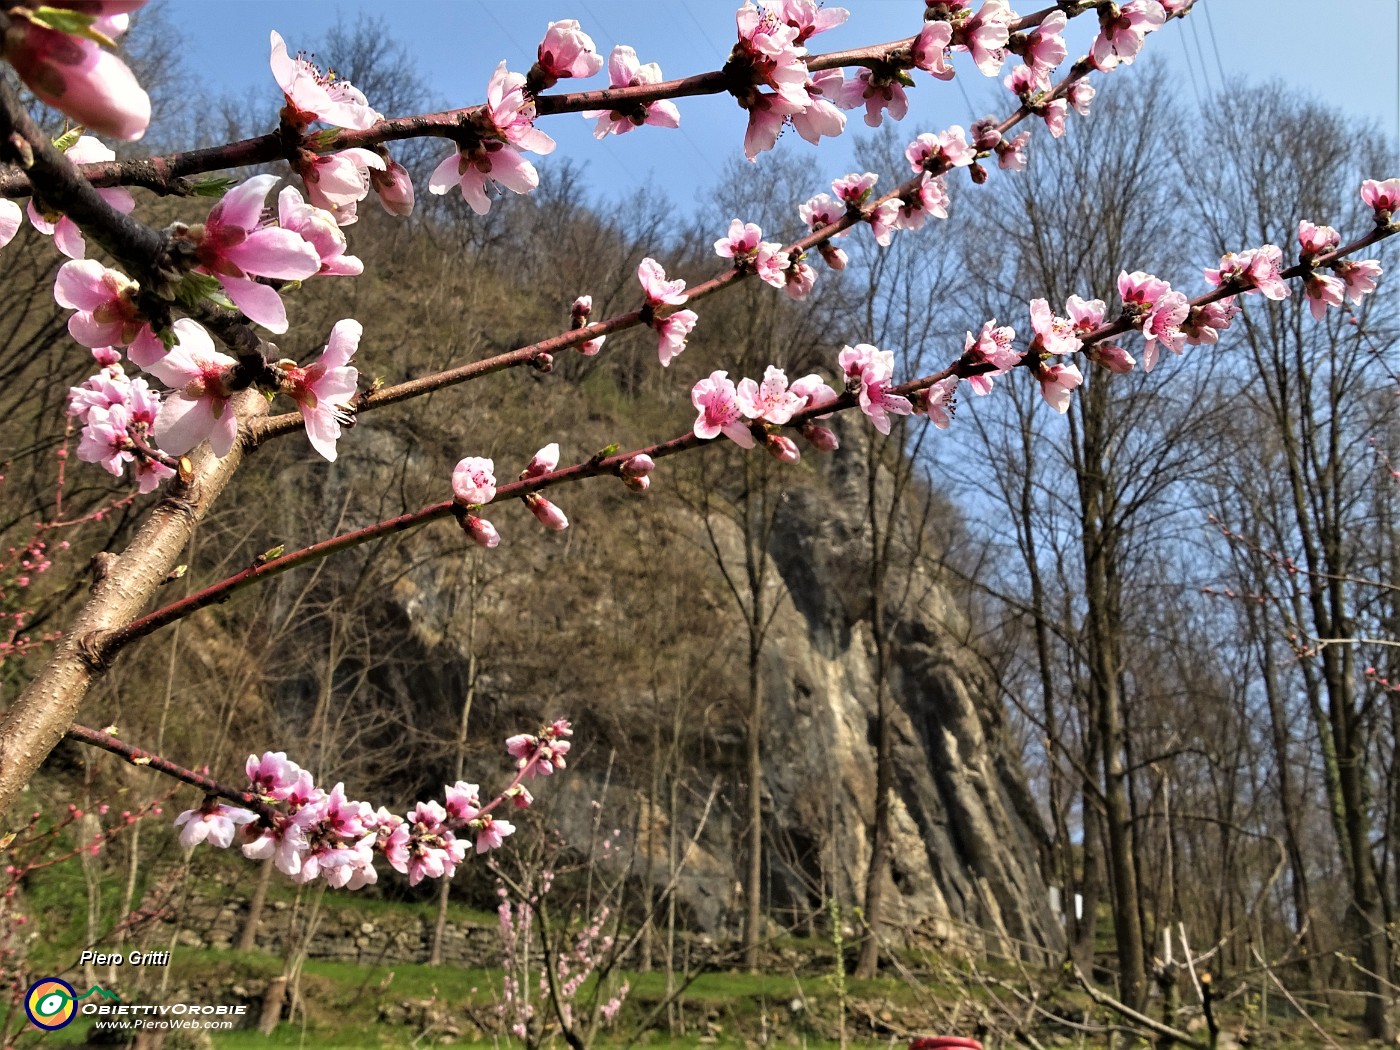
<point>1210,26</point>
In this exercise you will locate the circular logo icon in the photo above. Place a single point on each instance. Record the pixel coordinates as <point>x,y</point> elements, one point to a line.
<point>50,1003</point>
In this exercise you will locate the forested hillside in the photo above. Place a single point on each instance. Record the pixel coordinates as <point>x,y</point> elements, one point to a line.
<point>1123,679</point>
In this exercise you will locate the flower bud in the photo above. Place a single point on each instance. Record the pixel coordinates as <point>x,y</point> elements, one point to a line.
<point>546,459</point>
<point>550,516</point>
<point>820,438</point>
<point>985,134</point>
<point>782,448</point>
<point>979,174</point>
<point>834,257</point>
<point>638,466</point>
<point>394,187</point>
<point>582,308</point>
<point>542,363</point>
<point>481,531</point>
<point>1114,358</point>
<point>637,484</point>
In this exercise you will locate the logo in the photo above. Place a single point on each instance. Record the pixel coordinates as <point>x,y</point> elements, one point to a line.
<point>51,1003</point>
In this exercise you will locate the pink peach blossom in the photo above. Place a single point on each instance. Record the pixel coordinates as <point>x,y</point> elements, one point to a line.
<point>567,51</point>
<point>338,182</point>
<point>1384,197</point>
<point>1011,155</point>
<point>741,243</point>
<point>985,35</point>
<point>1122,29</point>
<point>771,50</point>
<point>799,280</point>
<point>474,170</point>
<point>324,390</point>
<point>672,332</point>
<point>877,94</point>
<point>1087,315</point>
<point>991,346</point>
<point>1057,382</point>
<point>657,289</point>
<point>1161,326</point>
<point>854,190</point>
<point>462,801</point>
<point>1054,335</point>
<point>1359,275</point>
<point>931,199</point>
<point>234,247</point>
<point>930,49</point>
<point>314,95</point>
<point>768,112</point>
<point>717,401</point>
<point>1316,240</point>
<point>821,211</point>
<point>941,152</point>
<point>105,301</point>
<point>1323,290</point>
<point>213,823</point>
<point>474,481</point>
<point>1045,47</point>
<point>1054,113</point>
<point>822,115</point>
<point>871,371</point>
<point>808,17</point>
<point>1079,95</point>
<point>510,112</point>
<point>771,401</point>
<point>272,775</point>
<point>491,832</point>
<point>198,406</point>
<point>624,70</point>
<point>1205,323</point>
<point>318,228</point>
<point>942,402</point>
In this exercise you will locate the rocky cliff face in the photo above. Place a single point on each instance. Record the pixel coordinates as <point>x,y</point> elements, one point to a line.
<point>965,869</point>
<point>965,831</point>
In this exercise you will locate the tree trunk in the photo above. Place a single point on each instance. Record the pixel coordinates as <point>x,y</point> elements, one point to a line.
<point>753,883</point>
<point>248,937</point>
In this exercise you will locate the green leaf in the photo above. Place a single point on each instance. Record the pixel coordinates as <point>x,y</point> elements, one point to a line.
<point>196,288</point>
<point>66,141</point>
<point>322,140</point>
<point>213,186</point>
<point>74,23</point>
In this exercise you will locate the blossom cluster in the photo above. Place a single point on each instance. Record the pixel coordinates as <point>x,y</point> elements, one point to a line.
<point>310,833</point>
<point>758,408</point>
<point>239,255</point>
<point>565,968</point>
<point>1163,316</point>
<point>474,485</point>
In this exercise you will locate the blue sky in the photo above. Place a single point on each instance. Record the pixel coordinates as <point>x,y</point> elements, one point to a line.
<point>1342,51</point>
